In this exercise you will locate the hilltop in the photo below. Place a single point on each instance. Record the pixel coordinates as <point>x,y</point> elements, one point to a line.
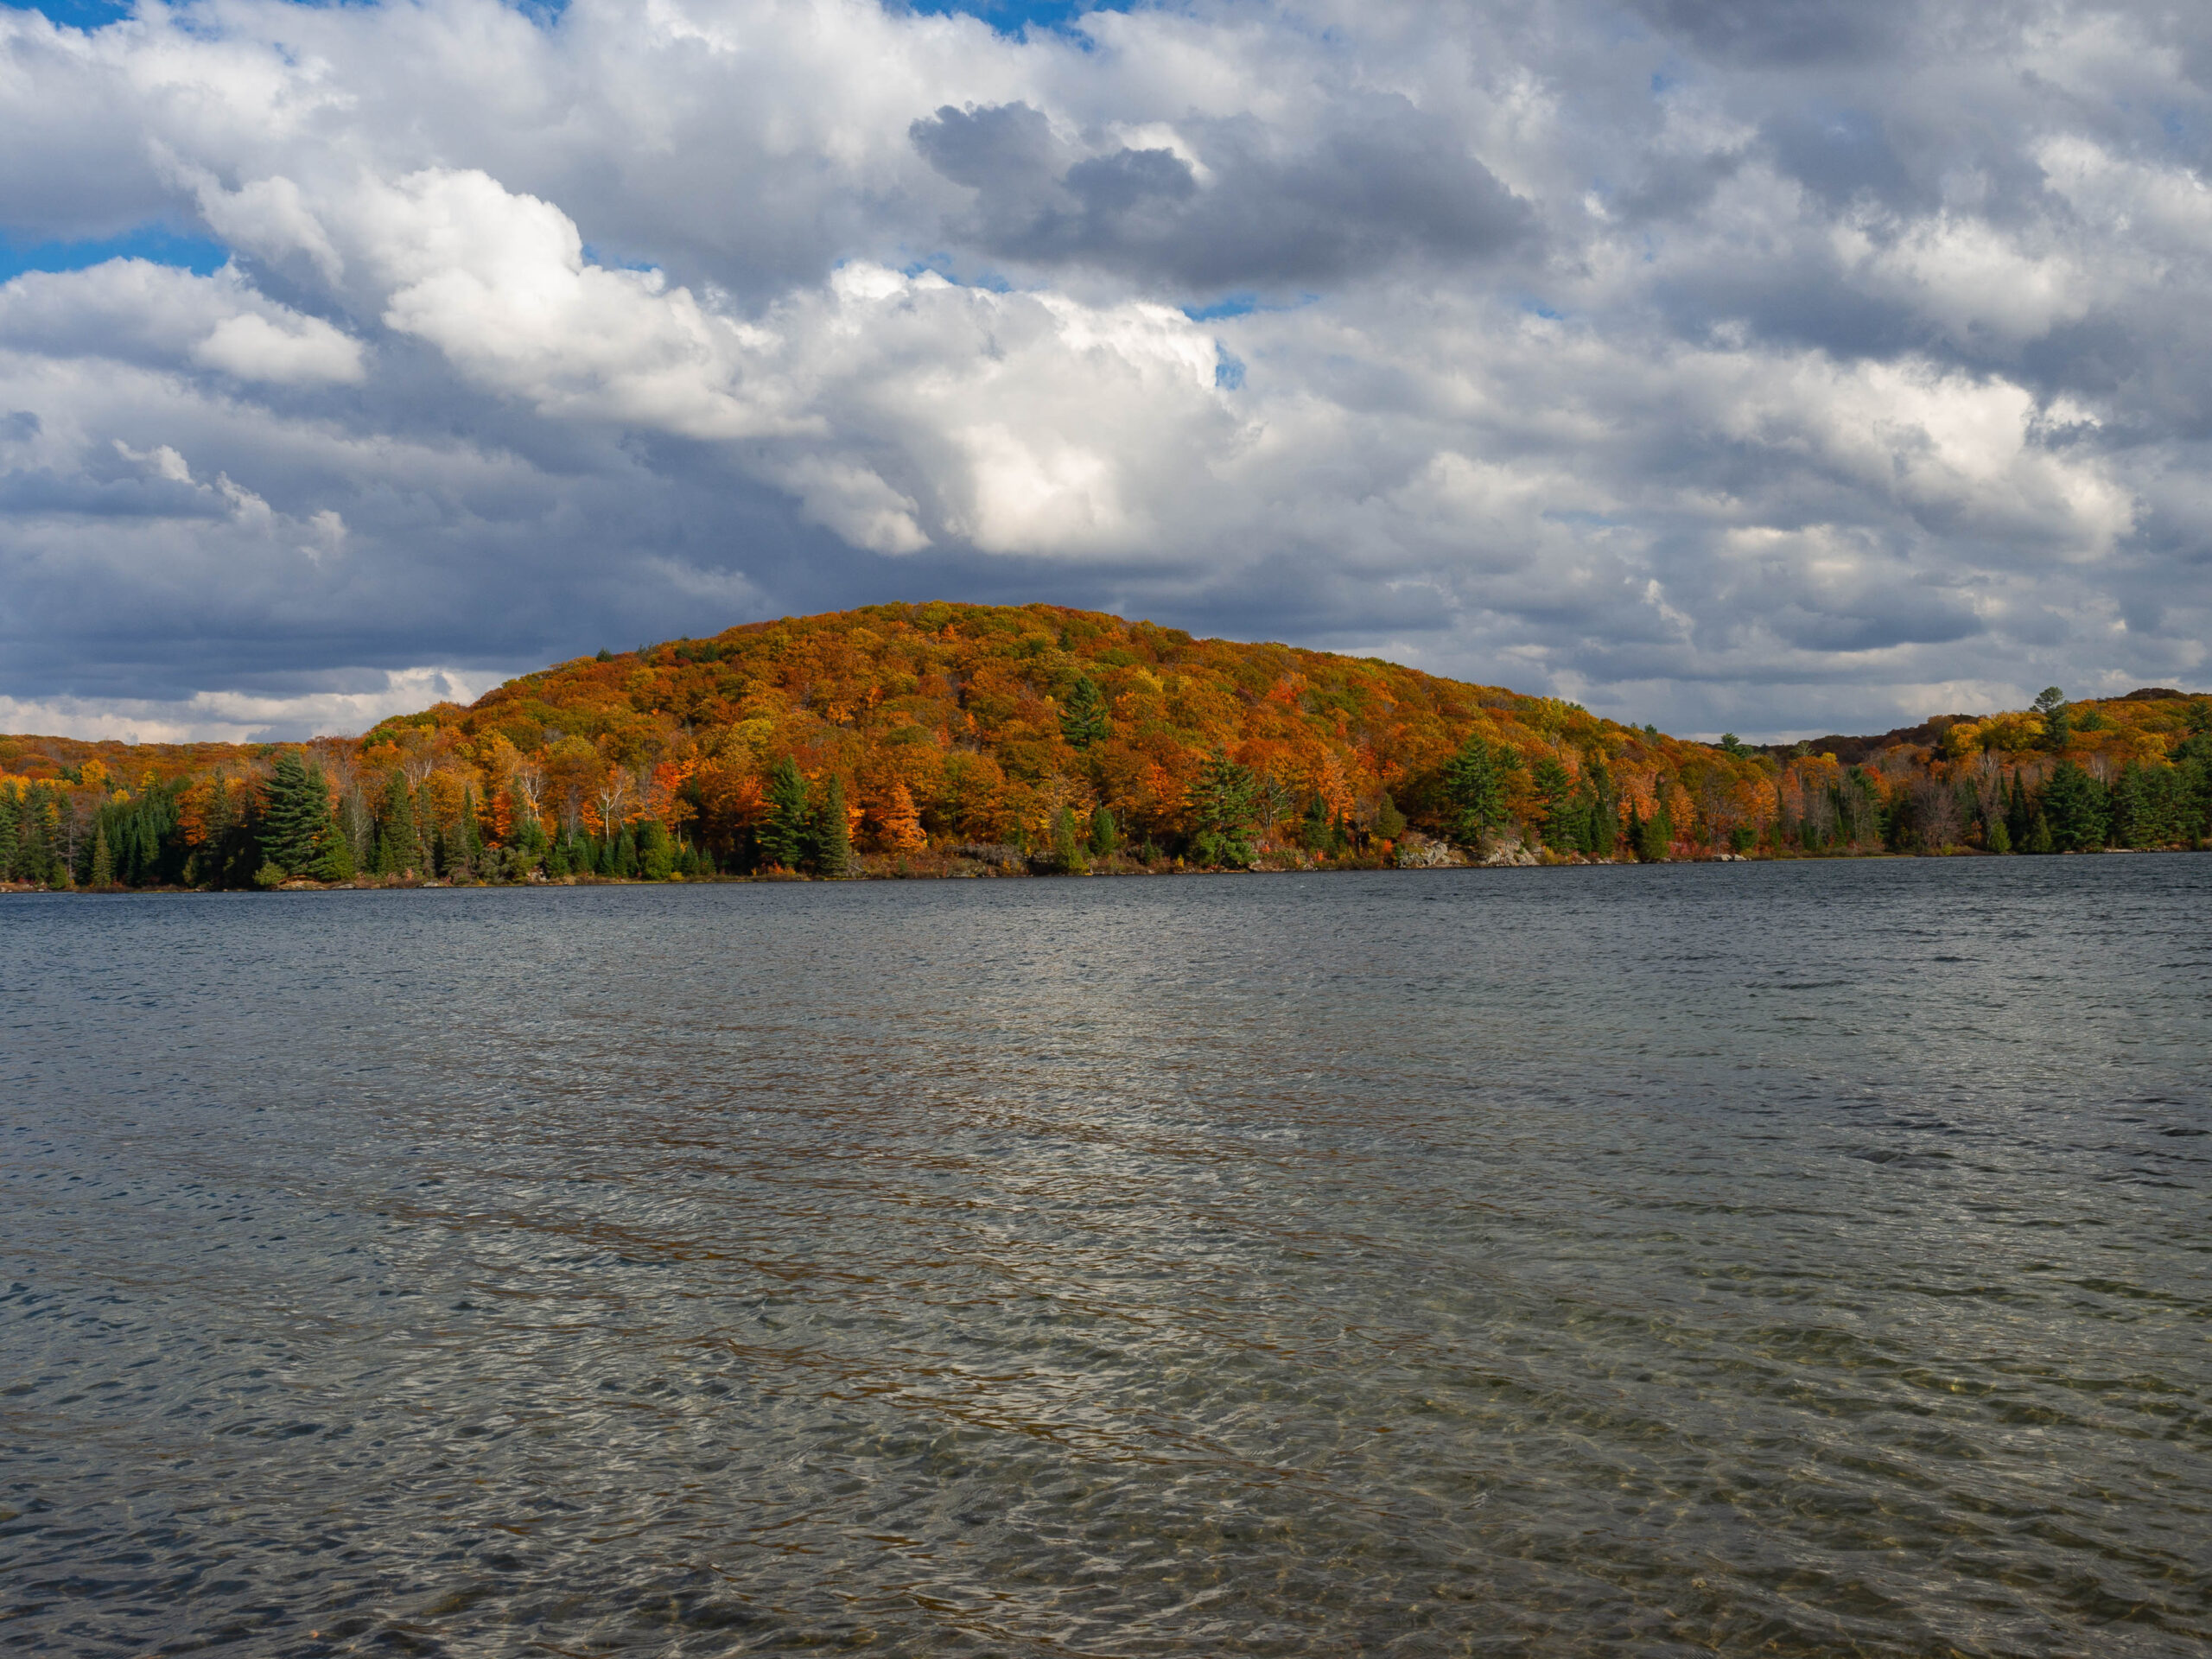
<point>935,737</point>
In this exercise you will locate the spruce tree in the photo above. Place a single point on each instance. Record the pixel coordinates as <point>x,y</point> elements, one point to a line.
<point>297,816</point>
<point>2019,821</point>
<point>1105,836</point>
<point>1474,782</point>
<point>2075,806</point>
<point>10,814</point>
<point>1082,714</point>
<point>785,836</point>
<point>2058,722</point>
<point>103,860</point>
<point>1389,822</point>
<point>833,839</point>
<point>623,863</point>
<point>396,829</point>
<point>1225,806</point>
<point>1604,813</point>
<point>1553,791</point>
<point>1313,827</point>
<point>656,851</point>
<point>468,839</point>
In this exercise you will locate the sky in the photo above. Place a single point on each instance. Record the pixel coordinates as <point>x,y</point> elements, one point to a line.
<point>1774,366</point>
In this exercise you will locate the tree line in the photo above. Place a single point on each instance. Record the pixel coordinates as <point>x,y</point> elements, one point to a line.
<point>924,738</point>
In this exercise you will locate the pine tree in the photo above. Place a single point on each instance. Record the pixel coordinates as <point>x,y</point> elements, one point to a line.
<point>623,863</point>
<point>468,837</point>
<point>1082,714</point>
<point>297,816</point>
<point>1604,813</point>
<point>2057,721</point>
<point>2075,806</point>
<point>2019,822</point>
<point>10,814</point>
<point>103,860</point>
<point>833,836</point>
<point>1553,791</point>
<point>1313,827</point>
<point>1474,782</point>
<point>396,829</point>
<point>1225,805</point>
<point>784,836</point>
<point>1105,835</point>
<point>1389,822</point>
<point>656,851</point>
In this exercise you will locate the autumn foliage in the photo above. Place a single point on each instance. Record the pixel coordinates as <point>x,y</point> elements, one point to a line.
<point>886,738</point>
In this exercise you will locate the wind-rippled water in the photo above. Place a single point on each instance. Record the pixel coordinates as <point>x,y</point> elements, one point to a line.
<point>1777,1259</point>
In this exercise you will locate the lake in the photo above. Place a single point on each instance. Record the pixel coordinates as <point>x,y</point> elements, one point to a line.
<point>1803,1258</point>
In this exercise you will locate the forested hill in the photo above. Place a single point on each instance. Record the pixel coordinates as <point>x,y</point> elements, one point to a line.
<point>942,737</point>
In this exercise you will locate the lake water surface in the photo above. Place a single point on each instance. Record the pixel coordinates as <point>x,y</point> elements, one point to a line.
<point>1778,1259</point>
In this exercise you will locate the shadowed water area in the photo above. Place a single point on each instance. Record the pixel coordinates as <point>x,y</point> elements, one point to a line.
<point>1777,1259</point>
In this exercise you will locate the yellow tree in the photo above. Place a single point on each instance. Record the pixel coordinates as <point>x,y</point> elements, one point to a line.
<point>898,826</point>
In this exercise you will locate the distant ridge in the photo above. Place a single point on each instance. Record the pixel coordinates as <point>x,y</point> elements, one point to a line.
<point>1852,751</point>
<point>941,738</point>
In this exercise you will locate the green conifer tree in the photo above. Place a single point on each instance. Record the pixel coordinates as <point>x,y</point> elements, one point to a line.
<point>1105,834</point>
<point>1605,812</point>
<point>1474,783</point>
<point>1224,808</point>
<point>1314,829</point>
<point>395,838</point>
<point>11,843</point>
<point>833,840</point>
<point>1082,714</point>
<point>2075,806</point>
<point>623,863</point>
<point>1555,790</point>
<point>785,835</point>
<point>295,822</point>
<point>656,851</point>
<point>2019,819</point>
<point>103,872</point>
<point>2058,722</point>
<point>468,837</point>
<point>1389,822</point>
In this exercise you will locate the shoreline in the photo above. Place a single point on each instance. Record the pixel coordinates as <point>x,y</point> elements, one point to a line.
<point>980,870</point>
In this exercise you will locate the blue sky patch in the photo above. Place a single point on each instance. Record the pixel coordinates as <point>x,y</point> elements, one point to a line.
<point>79,13</point>
<point>1234,305</point>
<point>194,254</point>
<point>1012,17</point>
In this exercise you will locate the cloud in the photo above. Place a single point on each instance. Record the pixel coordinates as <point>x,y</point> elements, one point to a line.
<point>1727,365</point>
<point>135,311</point>
<point>242,717</point>
<point>1219,206</point>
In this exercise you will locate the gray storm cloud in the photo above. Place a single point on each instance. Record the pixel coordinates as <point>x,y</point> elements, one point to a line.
<point>1771,365</point>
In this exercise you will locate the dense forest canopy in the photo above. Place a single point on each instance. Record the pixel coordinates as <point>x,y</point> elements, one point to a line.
<point>919,738</point>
